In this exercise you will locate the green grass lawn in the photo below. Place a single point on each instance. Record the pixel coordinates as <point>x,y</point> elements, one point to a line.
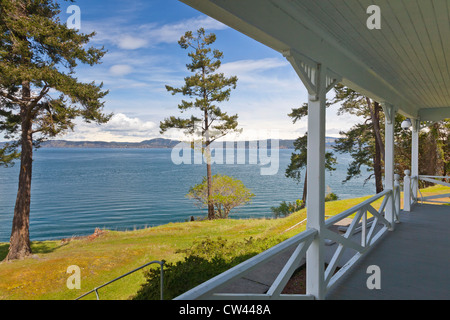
<point>43,276</point>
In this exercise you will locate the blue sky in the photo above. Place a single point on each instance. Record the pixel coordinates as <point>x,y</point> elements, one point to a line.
<point>143,56</point>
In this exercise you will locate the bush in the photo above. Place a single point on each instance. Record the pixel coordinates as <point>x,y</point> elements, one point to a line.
<point>287,208</point>
<point>204,260</point>
<point>331,197</point>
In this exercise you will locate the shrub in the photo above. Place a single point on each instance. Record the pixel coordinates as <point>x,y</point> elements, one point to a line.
<point>204,260</point>
<point>287,208</point>
<point>331,197</point>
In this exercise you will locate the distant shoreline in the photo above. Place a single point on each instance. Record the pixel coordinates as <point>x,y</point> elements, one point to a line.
<point>157,143</point>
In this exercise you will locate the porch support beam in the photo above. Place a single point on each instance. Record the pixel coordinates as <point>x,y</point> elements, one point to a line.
<point>318,80</point>
<point>415,155</point>
<point>390,112</point>
<point>315,201</point>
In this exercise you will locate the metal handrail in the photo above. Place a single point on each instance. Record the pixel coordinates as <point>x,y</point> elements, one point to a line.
<point>161,263</point>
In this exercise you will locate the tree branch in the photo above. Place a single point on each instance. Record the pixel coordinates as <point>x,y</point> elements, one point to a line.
<point>10,97</point>
<point>43,92</point>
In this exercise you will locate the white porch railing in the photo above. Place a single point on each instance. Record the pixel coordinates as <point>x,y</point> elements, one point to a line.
<point>432,179</point>
<point>368,227</point>
<point>369,230</point>
<point>412,191</point>
<point>211,288</point>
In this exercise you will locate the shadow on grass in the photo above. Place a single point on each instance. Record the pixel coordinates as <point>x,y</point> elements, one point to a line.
<point>3,250</point>
<point>184,275</point>
<point>37,247</point>
<point>203,261</point>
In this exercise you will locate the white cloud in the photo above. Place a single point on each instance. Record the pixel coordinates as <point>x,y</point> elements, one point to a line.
<point>263,75</point>
<point>129,126</point>
<point>128,42</point>
<point>252,66</point>
<point>120,128</point>
<point>171,33</point>
<point>120,69</point>
<point>132,37</point>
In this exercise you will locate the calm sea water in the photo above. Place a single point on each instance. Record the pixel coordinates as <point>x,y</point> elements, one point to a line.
<point>76,190</point>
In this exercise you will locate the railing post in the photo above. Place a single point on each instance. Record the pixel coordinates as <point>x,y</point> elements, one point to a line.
<point>407,191</point>
<point>396,193</point>
<point>162,279</point>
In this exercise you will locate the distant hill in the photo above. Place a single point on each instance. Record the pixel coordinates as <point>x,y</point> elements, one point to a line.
<point>147,144</point>
<point>154,143</point>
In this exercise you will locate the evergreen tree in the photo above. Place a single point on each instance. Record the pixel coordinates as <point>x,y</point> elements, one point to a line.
<point>208,88</point>
<point>299,158</point>
<point>365,140</point>
<point>434,149</point>
<point>39,94</point>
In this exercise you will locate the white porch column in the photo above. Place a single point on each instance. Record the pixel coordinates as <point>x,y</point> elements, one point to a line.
<point>415,155</point>
<point>315,258</point>
<point>389,111</point>
<point>318,80</point>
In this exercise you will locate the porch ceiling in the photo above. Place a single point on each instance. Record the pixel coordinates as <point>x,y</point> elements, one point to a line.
<point>405,63</point>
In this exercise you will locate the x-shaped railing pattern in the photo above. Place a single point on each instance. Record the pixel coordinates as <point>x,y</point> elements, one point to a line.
<point>368,228</point>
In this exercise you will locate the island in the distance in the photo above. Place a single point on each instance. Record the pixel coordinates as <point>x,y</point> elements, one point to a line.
<point>148,144</point>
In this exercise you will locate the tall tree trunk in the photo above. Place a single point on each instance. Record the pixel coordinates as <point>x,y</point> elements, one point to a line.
<point>211,214</point>
<point>375,115</point>
<point>379,145</point>
<point>305,189</point>
<point>377,169</point>
<point>20,246</point>
<point>429,165</point>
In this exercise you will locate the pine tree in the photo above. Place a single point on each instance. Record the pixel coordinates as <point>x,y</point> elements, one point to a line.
<point>365,140</point>
<point>39,95</point>
<point>299,158</point>
<point>208,88</point>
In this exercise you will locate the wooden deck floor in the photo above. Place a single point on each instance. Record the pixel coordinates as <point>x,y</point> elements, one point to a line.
<point>414,260</point>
